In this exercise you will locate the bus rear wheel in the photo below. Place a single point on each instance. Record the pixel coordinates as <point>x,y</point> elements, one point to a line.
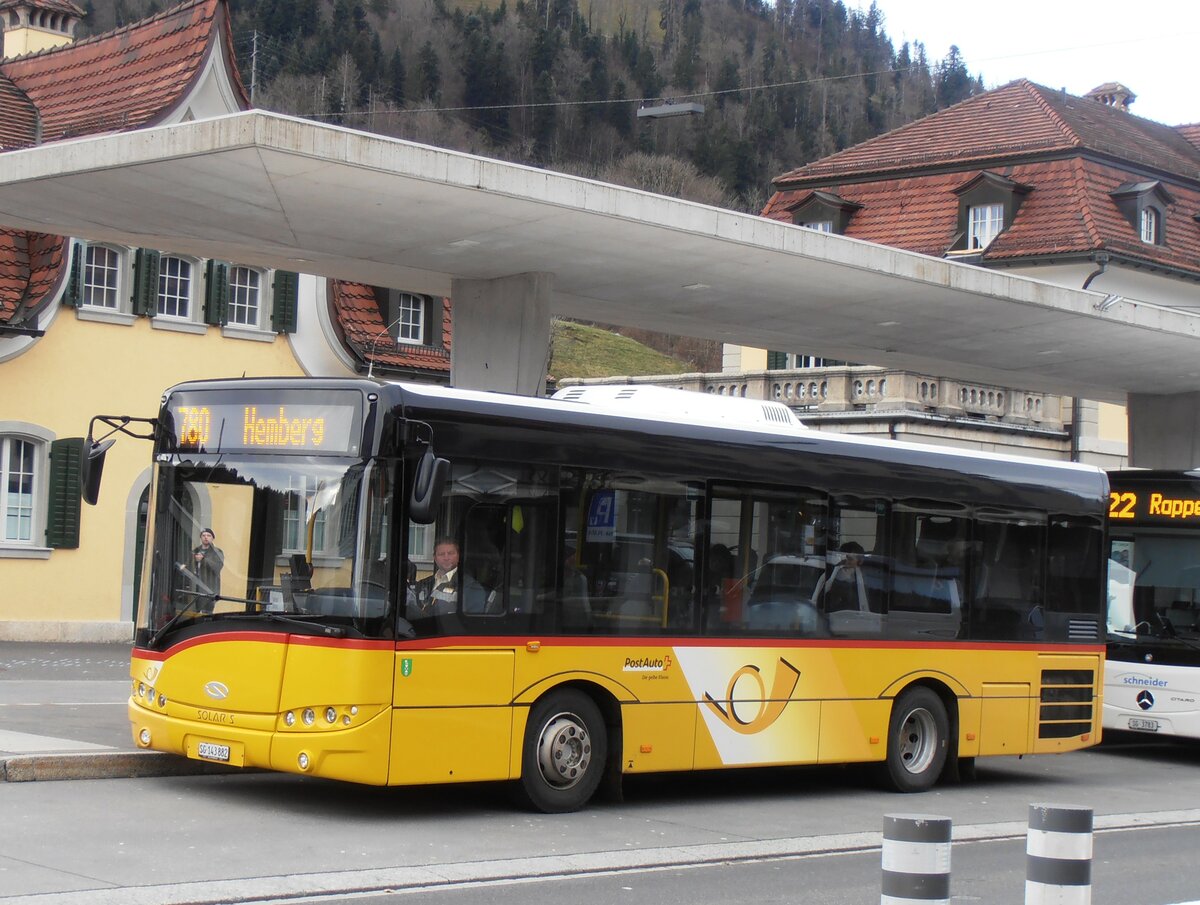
<point>918,740</point>
<point>564,752</point>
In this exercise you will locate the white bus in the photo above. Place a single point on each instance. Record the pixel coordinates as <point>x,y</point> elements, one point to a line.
<point>1152,674</point>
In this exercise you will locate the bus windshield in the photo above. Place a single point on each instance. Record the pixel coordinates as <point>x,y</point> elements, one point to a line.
<point>297,541</point>
<point>1154,586</point>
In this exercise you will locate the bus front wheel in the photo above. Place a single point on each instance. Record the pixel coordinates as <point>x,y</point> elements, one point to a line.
<point>918,739</point>
<point>564,753</point>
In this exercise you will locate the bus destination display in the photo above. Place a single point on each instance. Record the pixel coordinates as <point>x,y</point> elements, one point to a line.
<point>265,426</point>
<point>1166,505</point>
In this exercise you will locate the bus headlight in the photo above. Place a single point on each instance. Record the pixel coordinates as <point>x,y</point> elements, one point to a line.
<point>144,738</point>
<point>309,716</point>
<point>330,715</point>
<point>289,719</point>
<point>302,760</point>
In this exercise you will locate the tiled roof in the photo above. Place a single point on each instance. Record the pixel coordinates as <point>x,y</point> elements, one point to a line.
<point>364,333</point>
<point>18,117</point>
<point>123,79</point>
<point>1068,211</point>
<point>1018,120</point>
<point>56,6</point>
<point>31,265</point>
<point>1191,132</point>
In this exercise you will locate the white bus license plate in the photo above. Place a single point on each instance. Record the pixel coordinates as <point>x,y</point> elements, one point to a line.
<point>209,751</point>
<point>1143,725</point>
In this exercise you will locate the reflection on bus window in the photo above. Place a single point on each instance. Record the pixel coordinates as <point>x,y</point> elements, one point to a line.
<point>629,554</point>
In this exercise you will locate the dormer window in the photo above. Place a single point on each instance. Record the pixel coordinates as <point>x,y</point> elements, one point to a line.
<point>984,223</point>
<point>824,212</point>
<point>987,205</point>
<point>1144,205</point>
<point>1150,226</point>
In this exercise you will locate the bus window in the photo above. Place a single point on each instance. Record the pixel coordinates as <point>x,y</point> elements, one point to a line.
<point>491,553</point>
<point>1009,549</point>
<point>929,544</point>
<point>1072,590</point>
<point>764,563</point>
<point>854,592</point>
<point>628,562</point>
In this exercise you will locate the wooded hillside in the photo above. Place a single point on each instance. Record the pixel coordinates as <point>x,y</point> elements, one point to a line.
<point>557,83</point>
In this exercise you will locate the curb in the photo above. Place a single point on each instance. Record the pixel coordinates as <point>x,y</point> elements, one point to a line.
<point>102,765</point>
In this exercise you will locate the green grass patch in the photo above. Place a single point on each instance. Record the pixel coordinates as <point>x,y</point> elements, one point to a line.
<point>581,351</point>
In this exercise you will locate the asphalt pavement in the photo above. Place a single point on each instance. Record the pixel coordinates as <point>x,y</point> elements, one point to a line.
<point>63,715</point>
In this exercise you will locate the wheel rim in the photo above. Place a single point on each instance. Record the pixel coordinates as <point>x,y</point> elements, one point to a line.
<point>564,750</point>
<point>918,740</point>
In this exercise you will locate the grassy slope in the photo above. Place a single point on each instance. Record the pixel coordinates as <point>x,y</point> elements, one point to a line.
<point>581,351</point>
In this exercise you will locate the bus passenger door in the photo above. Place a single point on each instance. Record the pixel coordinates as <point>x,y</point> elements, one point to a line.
<point>452,716</point>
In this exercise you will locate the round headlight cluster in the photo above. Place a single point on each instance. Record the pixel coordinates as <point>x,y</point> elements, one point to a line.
<point>320,717</point>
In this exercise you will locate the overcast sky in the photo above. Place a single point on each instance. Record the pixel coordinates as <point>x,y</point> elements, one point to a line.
<point>1150,46</point>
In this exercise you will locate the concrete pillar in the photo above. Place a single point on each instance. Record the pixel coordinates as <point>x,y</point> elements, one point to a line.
<point>501,336</point>
<point>1164,430</point>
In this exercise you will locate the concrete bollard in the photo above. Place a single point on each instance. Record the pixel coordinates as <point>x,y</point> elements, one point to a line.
<point>916,860</point>
<point>1058,855</point>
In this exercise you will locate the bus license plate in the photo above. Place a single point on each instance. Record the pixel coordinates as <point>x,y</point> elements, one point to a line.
<point>1143,725</point>
<point>209,751</point>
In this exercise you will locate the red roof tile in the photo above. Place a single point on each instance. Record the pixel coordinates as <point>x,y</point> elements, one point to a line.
<point>124,79</point>
<point>57,6</point>
<point>1069,211</point>
<point>1191,132</point>
<point>18,117</point>
<point>1017,120</point>
<point>31,267</point>
<point>365,334</point>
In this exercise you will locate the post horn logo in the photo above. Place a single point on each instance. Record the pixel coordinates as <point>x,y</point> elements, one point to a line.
<point>770,707</point>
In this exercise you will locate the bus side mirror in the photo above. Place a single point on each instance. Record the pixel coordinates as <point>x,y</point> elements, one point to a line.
<point>91,468</point>
<point>428,484</point>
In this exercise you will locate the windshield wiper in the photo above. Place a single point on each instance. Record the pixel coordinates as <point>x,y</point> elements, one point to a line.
<point>332,630</point>
<point>170,623</point>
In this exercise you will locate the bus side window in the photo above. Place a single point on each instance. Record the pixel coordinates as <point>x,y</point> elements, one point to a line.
<point>1008,602</point>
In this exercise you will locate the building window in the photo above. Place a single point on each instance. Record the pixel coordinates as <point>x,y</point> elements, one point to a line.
<point>1149,226</point>
<point>984,223</point>
<point>101,278</point>
<point>410,318</point>
<point>245,296</point>
<point>295,524</point>
<point>821,226</point>
<point>174,287</point>
<point>18,473</point>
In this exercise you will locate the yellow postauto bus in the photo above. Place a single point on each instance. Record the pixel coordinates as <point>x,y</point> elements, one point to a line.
<point>414,584</point>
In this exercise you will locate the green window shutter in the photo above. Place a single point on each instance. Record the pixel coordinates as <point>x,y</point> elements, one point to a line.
<point>62,511</point>
<point>776,361</point>
<point>145,282</point>
<point>283,313</point>
<point>75,277</point>
<point>216,293</point>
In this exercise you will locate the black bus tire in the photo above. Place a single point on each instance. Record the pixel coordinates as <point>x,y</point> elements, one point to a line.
<point>918,741</point>
<point>563,754</point>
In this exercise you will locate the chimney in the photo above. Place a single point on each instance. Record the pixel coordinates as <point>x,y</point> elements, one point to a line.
<point>33,25</point>
<point>1113,94</point>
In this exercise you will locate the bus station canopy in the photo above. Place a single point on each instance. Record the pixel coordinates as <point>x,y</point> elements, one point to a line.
<point>274,191</point>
